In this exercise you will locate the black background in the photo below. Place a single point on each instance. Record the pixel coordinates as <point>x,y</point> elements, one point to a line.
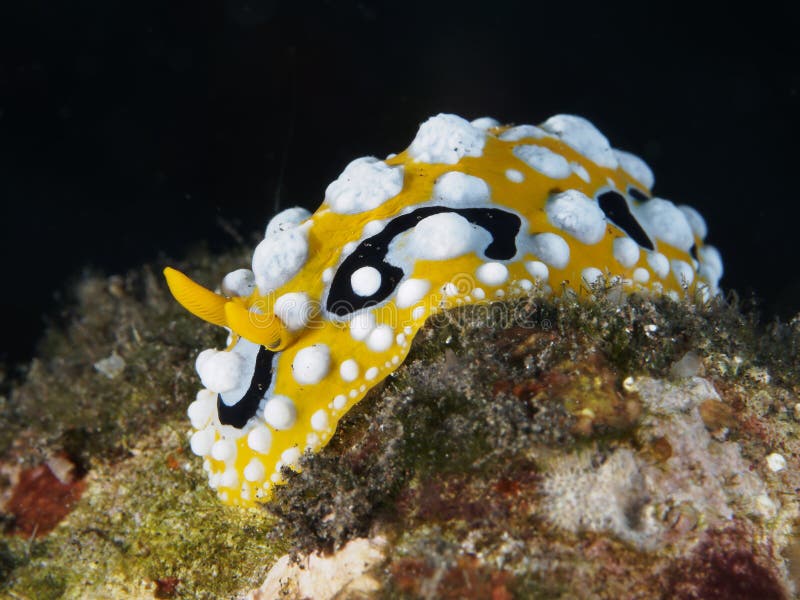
<point>128,129</point>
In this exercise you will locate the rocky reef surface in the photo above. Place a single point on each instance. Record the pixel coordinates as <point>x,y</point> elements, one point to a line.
<point>594,447</point>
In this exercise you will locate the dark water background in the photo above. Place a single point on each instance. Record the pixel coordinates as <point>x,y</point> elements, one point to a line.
<point>128,129</point>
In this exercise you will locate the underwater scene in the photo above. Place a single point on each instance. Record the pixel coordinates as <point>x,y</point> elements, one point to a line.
<point>367,300</point>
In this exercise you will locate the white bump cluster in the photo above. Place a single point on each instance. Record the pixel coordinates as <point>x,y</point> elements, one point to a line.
<point>636,168</point>
<point>260,439</point>
<point>626,251</point>
<point>544,160</point>
<point>294,310</point>
<point>484,123</point>
<point>202,410</point>
<point>659,263</point>
<point>710,265</point>
<point>381,338</point>
<point>683,271</point>
<point>577,214</point>
<point>446,139</point>
<point>411,291</point>
<point>583,137</point>
<point>664,221</point>
<point>365,183</point>
<point>515,176</point>
<point>349,370</point>
<point>537,269</point>
<point>311,364</point>
<point>551,249</point>
<point>280,412</point>
<point>240,282</point>
<point>361,325</point>
<point>286,219</point>
<point>696,221</point>
<point>279,257</point>
<point>521,132</point>
<point>492,273</point>
<point>459,189</point>
<point>221,371</point>
<point>445,235</point>
<point>365,281</point>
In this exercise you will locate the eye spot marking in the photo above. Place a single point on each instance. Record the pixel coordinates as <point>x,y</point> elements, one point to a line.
<point>616,209</point>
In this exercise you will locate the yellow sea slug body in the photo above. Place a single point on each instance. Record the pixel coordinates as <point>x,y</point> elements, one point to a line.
<point>470,212</point>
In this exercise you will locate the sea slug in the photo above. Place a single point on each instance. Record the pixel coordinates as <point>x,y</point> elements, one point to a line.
<point>470,212</point>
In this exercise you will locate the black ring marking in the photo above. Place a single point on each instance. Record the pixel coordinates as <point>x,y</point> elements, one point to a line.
<point>616,209</point>
<point>637,194</point>
<point>503,226</point>
<point>238,414</point>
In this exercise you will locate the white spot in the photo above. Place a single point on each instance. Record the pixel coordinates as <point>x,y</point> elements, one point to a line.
<point>248,352</point>
<point>349,370</point>
<point>291,456</point>
<point>484,123</point>
<point>374,227</point>
<point>230,478</point>
<point>418,313</point>
<point>449,289</point>
<point>664,221</point>
<point>683,271</point>
<point>441,237</point>
<point>223,450</point>
<point>520,132</point>
<point>641,275</point>
<point>696,221</point>
<point>366,281</point>
<point>710,264</point>
<point>537,269</point>
<point>311,364</point>
<point>348,248</point>
<point>202,409</point>
<point>240,282</point>
<point>626,251</point>
<point>320,420</point>
<point>591,275</point>
<point>492,273</point>
<point>580,171</point>
<point>446,139</point>
<point>635,167</point>
<point>479,293</point>
<point>286,219</point>
<point>411,291</point>
<point>577,214</point>
<point>294,310</point>
<point>365,183</point>
<point>327,275</point>
<point>361,324</point>
<point>459,189</point>
<point>279,257</point>
<point>659,263</point>
<point>221,371</point>
<point>551,248</point>
<point>260,439</point>
<point>255,471</point>
<point>400,338</point>
<point>583,137</point>
<point>544,160</point>
<point>371,373</point>
<point>525,284</point>
<point>380,338</point>
<point>202,441</point>
<point>499,293</point>
<point>280,412</point>
<point>339,402</point>
<point>515,176</point>
<point>776,462</point>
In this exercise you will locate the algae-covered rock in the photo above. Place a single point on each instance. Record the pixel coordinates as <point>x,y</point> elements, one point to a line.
<point>599,447</point>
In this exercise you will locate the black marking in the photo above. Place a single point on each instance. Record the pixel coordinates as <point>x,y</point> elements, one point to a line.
<point>637,194</point>
<point>502,225</point>
<point>693,251</point>
<point>238,414</point>
<point>616,209</point>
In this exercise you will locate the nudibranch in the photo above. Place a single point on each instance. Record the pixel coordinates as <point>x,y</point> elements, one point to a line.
<point>471,212</point>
